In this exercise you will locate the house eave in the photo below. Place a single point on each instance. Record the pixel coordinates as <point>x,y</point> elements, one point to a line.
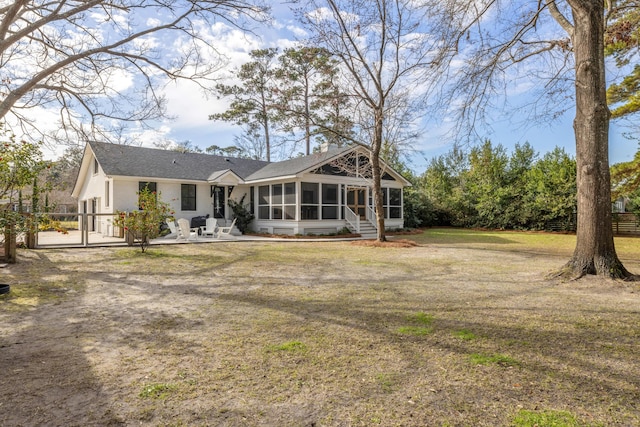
<point>156,179</point>
<point>82,171</point>
<point>271,179</point>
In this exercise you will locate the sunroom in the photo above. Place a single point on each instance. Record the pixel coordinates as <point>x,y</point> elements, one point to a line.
<point>325,199</point>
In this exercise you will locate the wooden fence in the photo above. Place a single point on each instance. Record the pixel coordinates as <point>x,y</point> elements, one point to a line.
<point>625,223</point>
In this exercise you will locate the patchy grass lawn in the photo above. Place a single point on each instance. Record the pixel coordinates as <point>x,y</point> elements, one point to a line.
<point>463,329</point>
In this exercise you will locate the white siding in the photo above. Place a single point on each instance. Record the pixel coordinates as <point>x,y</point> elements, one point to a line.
<point>126,199</point>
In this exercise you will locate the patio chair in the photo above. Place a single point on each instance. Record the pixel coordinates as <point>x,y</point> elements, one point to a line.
<point>210,228</point>
<point>225,231</point>
<point>185,232</point>
<point>171,223</point>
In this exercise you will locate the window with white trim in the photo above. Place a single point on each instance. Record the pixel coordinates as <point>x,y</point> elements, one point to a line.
<point>188,197</point>
<point>277,201</point>
<point>263,202</point>
<point>289,200</point>
<point>310,198</point>
<point>392,201</point>
<point>149,186</point>
<point>330,201</point>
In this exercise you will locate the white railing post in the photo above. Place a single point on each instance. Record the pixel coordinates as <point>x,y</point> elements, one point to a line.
<point>371,217</point>
<point>85,229</point>
<point>352,218</point>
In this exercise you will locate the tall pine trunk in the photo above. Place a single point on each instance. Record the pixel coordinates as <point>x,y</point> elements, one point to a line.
<point>595,251</point>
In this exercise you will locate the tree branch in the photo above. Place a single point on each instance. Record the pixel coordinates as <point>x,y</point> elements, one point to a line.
<point>559,17</point>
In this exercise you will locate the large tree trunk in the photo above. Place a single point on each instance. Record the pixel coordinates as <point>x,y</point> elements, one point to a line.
<point>377,197</point>
<point>10,251</point>
<point>376,146</point>
<point>595,251</point>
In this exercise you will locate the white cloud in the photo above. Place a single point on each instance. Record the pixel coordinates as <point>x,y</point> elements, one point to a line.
<point>284,44</point>
<point>153,22</point>
<point>231,39</point>
<point>149,137</point>
<point>189,105</point>
<point>186,101</point>
<point>297,31</point>
<point>320,14</point>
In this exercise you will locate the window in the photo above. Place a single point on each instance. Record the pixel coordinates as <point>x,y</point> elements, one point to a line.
<point>96,166</point>
<point>263,202</point>
<point>392,202</point>
<point>277,201</point>
<point>106,194</point>
<point>290,200</point>
<point>151,186</point>
<point>330,201</point>
<point>252,200</point>
<point>188,197</point>
<point>387,177</point>
<point>309,207</point>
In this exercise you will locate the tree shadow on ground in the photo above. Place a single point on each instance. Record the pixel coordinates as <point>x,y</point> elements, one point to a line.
<point>47,379</point>
<point>583,361</point>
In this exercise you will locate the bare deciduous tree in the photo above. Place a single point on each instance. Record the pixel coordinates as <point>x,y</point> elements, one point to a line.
<point>101,63</point>
<point>503,39</point>
<point>388,54</point>
<point>251,144</point>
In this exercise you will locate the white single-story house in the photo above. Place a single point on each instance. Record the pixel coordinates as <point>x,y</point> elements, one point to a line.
<point>316,194</point>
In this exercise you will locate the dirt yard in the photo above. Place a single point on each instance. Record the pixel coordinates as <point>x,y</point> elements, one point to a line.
<point>314,334</point>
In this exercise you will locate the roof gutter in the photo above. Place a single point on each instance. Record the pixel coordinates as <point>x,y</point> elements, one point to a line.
<point>276,178</point>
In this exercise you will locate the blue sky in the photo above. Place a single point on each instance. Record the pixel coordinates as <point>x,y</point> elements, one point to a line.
<point>191,109</point>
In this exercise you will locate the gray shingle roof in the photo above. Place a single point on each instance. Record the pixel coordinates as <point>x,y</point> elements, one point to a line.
<point>125,160</point>
<point>297,165</point>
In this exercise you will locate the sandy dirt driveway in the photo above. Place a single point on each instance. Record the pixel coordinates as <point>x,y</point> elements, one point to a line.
<point>296,334</point>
